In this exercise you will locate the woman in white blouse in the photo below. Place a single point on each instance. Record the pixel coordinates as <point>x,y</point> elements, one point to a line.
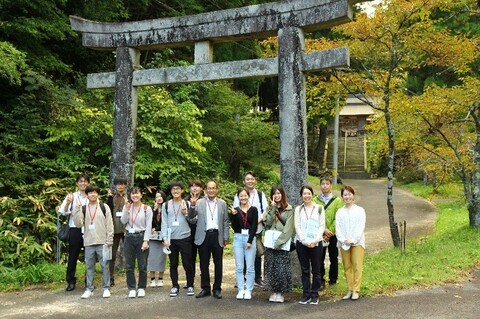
<point>350,227</point>
<point>309,227</point>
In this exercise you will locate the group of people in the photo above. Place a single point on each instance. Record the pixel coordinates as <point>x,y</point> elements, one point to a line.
<point>198,224</point>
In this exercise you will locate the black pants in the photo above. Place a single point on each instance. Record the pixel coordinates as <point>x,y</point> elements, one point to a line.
<point>333,255</point>
<point>258,263</point>
<point>309,259</point>
<point>193,229</point>
<point>75,245</point>
<point>183,247</point>
<point>211,247</point>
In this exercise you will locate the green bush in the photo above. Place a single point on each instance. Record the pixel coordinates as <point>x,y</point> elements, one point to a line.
<point>409,175</point>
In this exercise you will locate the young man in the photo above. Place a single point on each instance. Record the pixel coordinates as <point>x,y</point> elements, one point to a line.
<point>331,204</point>
<point>195,187</point>
<point>75,242</point>
<point>211,215</point>
<point>97,225</point>
<point>116,201</point>
<point>175,221</point>
<point>259,200</point>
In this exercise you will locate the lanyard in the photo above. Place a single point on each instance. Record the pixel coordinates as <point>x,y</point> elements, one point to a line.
<point>212,212</point>
<point>311,212</point>
<point>159,213</point>
<point>138,211</point>
<point>92,218</point>
<point>244,217</point>
<point>176,211</point>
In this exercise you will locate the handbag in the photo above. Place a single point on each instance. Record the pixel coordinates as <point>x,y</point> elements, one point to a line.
<point>292,245</point>
<point>63,231</point>
<point>260,247</point>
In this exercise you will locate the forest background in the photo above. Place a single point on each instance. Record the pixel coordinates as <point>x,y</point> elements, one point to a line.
<point>418,60</point>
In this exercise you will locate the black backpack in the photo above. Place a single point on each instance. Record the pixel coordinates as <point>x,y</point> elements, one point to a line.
<point>102,207</point>
<point>260,196</point>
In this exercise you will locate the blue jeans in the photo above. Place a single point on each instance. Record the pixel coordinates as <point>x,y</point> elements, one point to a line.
<point>133,251</point>
<point>244,256</point>
<point>92,253</point>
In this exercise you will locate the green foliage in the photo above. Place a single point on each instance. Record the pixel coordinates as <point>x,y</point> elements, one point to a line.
<point>28,226</point>
<point>170,137</point>
<point>12,63</point>
<point>408,175</point>
<point>41,273</point>
<point>241,135</point>
<point>32,26</point>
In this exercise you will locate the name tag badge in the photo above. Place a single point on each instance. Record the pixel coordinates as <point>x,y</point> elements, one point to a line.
<point>175,223</point>
<point>131,231</point>
<point>118,214</point>
<point>244,231</point>
<point>91,226</point>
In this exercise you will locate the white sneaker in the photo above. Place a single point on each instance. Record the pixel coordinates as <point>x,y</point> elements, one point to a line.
<point>348,295</point>
<point>106,293</point>
<point>153,284</point>
<point>87,294</point>
<point>174,292</point>
<point>132,294</point>
<point>160,283</point>
<point>240,294</point>
<point>273,297</point>
<point>141,293</point>
<point>280,298</point>
<point>247,295</point>
<point>190,291</point>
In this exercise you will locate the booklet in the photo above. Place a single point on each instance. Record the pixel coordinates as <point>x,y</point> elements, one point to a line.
<point>107,252</point>
<point>271,237</point>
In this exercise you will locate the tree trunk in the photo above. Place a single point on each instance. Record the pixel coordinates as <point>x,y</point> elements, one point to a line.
<point>234,167</point>
<point>319,152</point>
<point>474,187</point>
<point>391,166</point>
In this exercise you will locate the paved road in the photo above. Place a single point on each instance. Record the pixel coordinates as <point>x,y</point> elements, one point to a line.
<point>419,214</point>
<point>460,300</point>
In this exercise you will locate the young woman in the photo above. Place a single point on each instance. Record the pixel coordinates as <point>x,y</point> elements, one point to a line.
<point>137,217</point>
<point>244,220</point>
<point>156,257</point>
<point>278,217</point>
<point>350,227</point>
<point>309,226</point>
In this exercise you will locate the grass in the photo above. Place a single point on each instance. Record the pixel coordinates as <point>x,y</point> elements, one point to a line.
<point>33,276</point>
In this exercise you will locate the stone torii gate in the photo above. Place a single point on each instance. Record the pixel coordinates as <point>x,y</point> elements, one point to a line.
<point>286,19</point>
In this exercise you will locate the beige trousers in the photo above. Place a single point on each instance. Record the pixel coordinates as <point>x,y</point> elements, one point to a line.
<point>353,266</point>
